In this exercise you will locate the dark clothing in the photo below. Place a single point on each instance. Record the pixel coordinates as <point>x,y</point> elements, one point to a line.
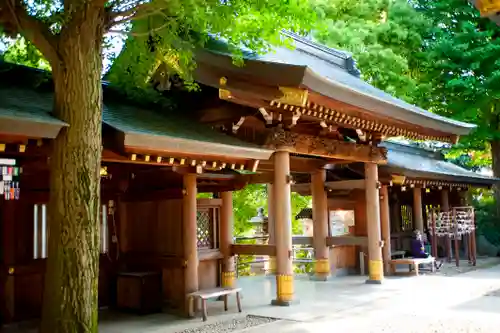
<point>417,249</point>
<point>428,234</point>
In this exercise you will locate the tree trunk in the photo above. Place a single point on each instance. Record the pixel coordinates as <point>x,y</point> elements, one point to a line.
<point>495,161</point>
<point>70,294</point>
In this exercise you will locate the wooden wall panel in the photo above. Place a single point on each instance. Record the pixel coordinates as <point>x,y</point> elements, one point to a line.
<point>141,226</point>
<point>22,292</point>
<point>152,227</point>
<point>360,213</point>
<point>28,295</point>
<point>342,257</point>
<point>208,274</point>
<point>169,235</point>
<point>173,287</point>
<point>153,230</point>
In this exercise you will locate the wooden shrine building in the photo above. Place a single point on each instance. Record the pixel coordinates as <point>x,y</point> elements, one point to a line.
<point>414,183</point>
<point>289,116</point>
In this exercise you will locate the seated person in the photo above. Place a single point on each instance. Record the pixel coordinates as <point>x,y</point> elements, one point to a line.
<point>418,249</point>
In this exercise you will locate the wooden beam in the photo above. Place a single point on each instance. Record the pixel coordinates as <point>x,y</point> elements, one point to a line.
<point>259,178</point>
<point>206,255</point>
<point>297,164</point>
<point>347,240</point>
<point>232,83</point>
<point>253,249</point>
<point>225,113</point>
<point>302,240</point>
<point>325,147</point>
<point>356,184</point>
<point>340,203</point>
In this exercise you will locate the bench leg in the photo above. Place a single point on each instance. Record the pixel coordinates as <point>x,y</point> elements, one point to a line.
<point>238,301</point>
<point>190,307</point>
<point>416,269</point>
<point>433,267</point>
<point>225,302</point>
<point>204,306</point>
<point>393,269</point>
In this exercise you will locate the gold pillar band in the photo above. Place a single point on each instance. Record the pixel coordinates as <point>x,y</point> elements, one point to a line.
<point>376,270</point>
<point>322,266</point>
<point>228,279</point>
<point>284,287</point>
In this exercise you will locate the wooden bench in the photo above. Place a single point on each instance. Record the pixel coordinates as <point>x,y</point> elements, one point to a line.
<point>412,263</point>
<point>204,295</point>
<point>398,254</point>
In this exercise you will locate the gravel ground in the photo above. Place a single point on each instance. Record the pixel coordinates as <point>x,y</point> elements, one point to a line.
<point>406,324</point>
<point>236,324</point>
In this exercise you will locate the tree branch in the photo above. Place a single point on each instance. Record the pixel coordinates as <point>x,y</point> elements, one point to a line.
<point>13,14</point>
<point>132,10</point>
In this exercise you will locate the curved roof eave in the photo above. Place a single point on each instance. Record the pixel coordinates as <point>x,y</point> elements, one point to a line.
<point>341,86</point>
<point>383,104</point>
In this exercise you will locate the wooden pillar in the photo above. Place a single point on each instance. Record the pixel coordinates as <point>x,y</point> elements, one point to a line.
<point>473,245</point>
<point>226,239</point>
<point>283,228</point>
<point>320,225</point>
<point>434,237</point>
<point>445,207</point>
<point>396,218</point>
<point>385,225</point>
<point>7,290</point>
<point>445,201</point>
<point>271,269</point>
<point>455,238</point>
<point>190,234</point>
<point>375,267</point>
<point>418,216</point>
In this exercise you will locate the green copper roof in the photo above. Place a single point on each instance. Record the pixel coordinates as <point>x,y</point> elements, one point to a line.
<point>422,163</point>
<point>20,100</point>
<point>129,119</point>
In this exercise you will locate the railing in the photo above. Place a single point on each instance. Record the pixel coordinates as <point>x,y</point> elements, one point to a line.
<point>247,265</point>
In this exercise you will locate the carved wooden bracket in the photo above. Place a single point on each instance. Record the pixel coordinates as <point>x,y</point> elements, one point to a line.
<point>325,147</point>
<point>279,138</point>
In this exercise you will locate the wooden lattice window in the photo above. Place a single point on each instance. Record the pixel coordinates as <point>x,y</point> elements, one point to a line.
<point>406,218</point>
<point>206,219</point>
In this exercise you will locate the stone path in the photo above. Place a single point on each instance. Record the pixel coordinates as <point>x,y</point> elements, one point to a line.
<point>468,302</point>
<point>466,299</point>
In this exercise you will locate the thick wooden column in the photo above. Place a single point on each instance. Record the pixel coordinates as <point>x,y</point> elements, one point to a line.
<point>320,225</point>
<point>226,239</point>
<point>445,201</point>
<point>396,219</point>
<point>283,225</point>
<point>375,267</point>
<point>190,235</point>
<point>418,215</point>
<point>271,269</point>
<point>385,224</point>
<point>445,207</point>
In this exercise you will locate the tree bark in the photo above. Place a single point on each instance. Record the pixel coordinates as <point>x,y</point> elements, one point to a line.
<point>495,165</point>
<point>70,294</point>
